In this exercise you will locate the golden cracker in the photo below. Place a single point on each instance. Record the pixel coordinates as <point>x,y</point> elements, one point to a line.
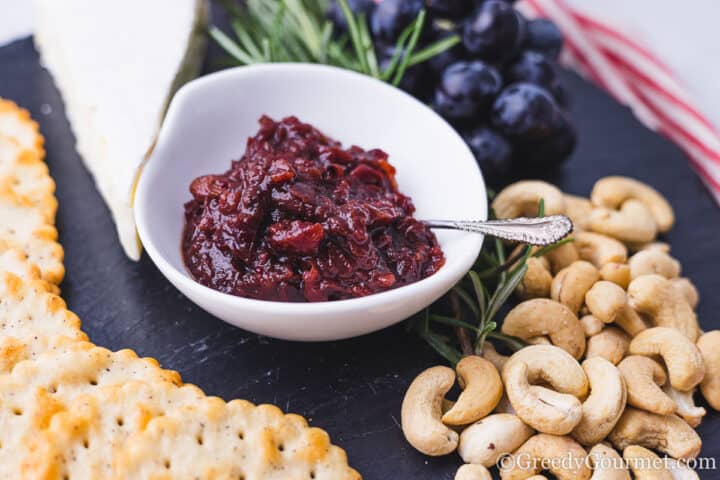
<point>23,227</point>
<point>81,441</point>
<point>27,177</point>
<point>15,122</point>
<point>214,439</point>
<point>32,321</point>
<point>18,263</point>
<point>37,389</point>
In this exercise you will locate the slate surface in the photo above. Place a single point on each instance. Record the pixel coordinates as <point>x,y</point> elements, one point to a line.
<point>352,388</point>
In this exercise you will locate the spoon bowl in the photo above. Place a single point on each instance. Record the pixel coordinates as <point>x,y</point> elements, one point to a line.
<point>206,127</point>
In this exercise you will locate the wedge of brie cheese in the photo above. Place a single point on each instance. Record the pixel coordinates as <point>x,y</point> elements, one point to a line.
<point>117,64</point>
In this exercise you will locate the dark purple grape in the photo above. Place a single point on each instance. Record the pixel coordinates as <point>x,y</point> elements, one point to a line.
<point>492,152</point>
<point>534,67</point>
<point>391,17</point>
<point>524,112</point>
<point>449,8</point>
<point>550,151</point>
<point>440,29</point>
<point>466,90</point>
<point>495,31</point>
<point>544,36</point>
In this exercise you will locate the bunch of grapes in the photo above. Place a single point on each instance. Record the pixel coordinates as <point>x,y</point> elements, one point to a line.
<point>499,87</point>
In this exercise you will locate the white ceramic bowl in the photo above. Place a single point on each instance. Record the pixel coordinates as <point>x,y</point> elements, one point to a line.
<point>207,125</point>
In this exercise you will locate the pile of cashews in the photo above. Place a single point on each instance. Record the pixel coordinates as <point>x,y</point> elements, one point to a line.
<point>615,353</point>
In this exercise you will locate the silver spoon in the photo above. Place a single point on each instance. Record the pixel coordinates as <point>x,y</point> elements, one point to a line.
<point>533,231</point>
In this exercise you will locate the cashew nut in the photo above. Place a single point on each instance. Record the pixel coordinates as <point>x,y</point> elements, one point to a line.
<point>537,280</point>
<point>592,325</point>
<point>473,472</point>
<point>544,446</point>
<point>709,345</point>
<point>680,470</point>
<point>644,464</point>
<point>659,246</point>
<point>633,222</point>
<point>523,198</point>
<point>644,377</point>
<point>630,321</point>
<point>688,290</point>
<point>482,389</point>
<point>602,409</point>
<point>618,273</point>
<point>610,344</point>
<point>571,283</point>
<point>686,407</point>
<point>578,210</point>
<point>649,262</point>
<point>606,463</point>
<point>606,300</point>
<point>550,411</point>
<point>656,297</point>
<point>485,441</point>
<point>422,410</point>
<point>600,249</point>
<point>542,316</point>
<point>612,192</point>
<point>562,256</point>
<point>667,433</point>
<point>683,359</point>
<point>491,355</point>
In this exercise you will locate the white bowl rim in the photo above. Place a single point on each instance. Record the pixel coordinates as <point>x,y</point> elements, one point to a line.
<point>183,278</point>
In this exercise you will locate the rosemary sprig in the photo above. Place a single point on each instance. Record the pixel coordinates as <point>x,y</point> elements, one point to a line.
<point>269,31</point>
<point>477,300</point>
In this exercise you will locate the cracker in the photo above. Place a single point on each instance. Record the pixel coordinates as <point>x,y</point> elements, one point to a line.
<point>32,321</point>
<point>38,389</point>
<point>27,177</point>
<point>18,263</point>
<point>15,122</point>
<point>81,441</point>
<point>214,439</point>
<point>23,227</point>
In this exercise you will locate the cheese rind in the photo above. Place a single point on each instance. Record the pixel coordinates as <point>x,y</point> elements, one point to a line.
<point>117,64</point>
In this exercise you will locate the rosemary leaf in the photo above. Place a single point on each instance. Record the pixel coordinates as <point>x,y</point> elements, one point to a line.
<point>230,46</point>
<point>452,322</point>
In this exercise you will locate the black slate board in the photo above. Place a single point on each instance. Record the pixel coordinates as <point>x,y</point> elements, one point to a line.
<point>353,388</point>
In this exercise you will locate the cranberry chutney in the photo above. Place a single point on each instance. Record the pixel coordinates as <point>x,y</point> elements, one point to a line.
<point>300,219</point>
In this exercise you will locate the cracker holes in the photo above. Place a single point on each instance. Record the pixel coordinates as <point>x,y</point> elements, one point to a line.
<point>167,464</point>
<point>17,411</point>
<point>199,439</point>
<point>312,474</point>
<point>86,443</point>
<point>120,421</point>
<point>93,382</point>
<point>241,436</point>
<point>281,447</point>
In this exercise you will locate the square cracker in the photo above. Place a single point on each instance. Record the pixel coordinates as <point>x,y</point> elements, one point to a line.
<point>18,263</point>
<point>23,227</point>
<point>29,317</point>
<point>82,439</point>
<point>38,389</point>
<point>214,439</point>
<point>28,177</point>
<point>15,122</point>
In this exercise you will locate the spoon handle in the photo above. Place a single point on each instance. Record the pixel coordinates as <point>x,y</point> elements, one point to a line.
<point>533,231</point>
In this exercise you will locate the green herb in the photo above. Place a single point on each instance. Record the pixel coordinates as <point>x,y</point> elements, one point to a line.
<point>269,31</point>
<point>477,300</point>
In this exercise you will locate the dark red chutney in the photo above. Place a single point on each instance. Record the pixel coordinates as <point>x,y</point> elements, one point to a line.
<point>298,218</point>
